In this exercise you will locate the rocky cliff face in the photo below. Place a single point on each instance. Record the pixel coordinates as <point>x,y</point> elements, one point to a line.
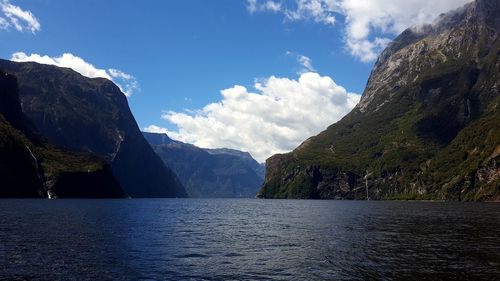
<point>92,115</point>
<point>427,126</point>
<point>209,173</point>
<point>31,167</point>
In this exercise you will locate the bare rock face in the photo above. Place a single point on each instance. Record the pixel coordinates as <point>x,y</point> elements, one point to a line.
<point>461,35</point>
<point>427,124</point>
<point>92,115</point>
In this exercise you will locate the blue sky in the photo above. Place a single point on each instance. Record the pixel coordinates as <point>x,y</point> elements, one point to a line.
<point>183,53</point>
<point>183,49</point>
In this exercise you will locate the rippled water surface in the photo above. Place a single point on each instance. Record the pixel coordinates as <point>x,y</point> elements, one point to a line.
<point>230,239</point>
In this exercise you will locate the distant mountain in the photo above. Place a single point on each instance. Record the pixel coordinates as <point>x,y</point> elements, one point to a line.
<point>427,125</point>
<point>159,139</point>
<point>32,167</point>
<point>92,115</point>
<point>259,169</point>
<point>209,173</point>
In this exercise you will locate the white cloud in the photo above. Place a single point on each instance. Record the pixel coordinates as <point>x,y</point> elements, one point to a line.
<point>319,11</point>
<point>4,24</point>
<point>304,61</point>
<point>366,50</point>
<point>277,117</point>
<point>269,5</point>
<point>389,17</point>
<point>368,23</point>
<point>156,129</point>
<point>14,17</point>
<point>127,83</point>
<point>316,10</point>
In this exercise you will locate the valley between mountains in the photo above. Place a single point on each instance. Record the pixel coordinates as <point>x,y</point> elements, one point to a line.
<point>427,127</point>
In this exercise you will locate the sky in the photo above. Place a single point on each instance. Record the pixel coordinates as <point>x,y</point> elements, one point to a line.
<point>255,75</point>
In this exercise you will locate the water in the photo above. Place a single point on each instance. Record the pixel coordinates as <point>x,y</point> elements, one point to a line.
<point>229,239</point>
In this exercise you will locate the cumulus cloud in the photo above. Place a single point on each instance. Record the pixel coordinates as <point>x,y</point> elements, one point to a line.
<point>14,17</point>
<point>368,23</point>
<point>127,83</point>
<point>275,118</point>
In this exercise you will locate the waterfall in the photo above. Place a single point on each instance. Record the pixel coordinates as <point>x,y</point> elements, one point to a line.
<point>35,164</point>
<point>366,183</point>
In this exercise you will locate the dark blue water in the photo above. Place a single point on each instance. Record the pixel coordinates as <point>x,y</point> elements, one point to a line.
<point>188,239</point>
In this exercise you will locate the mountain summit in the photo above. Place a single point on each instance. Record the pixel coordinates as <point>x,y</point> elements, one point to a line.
<point>427,125</point>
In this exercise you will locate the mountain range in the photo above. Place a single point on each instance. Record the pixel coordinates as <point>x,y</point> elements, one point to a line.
<point>209,173</point>
<point>427,125</point>
<point>66,135</point>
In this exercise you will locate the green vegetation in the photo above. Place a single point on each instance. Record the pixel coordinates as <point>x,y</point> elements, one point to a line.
<point>56,161</point>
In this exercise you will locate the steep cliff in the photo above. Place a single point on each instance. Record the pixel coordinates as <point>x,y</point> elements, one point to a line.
<point>31,167</point>
<point>209,173</point>
<point>427,126</point>
<point>92,115</point>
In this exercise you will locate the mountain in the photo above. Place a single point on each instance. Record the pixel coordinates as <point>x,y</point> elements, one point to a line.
<point>209,173</point>
<point>92,115</point>
<point>259,169</point>
<point>32,167</point>
<point>427,125</point>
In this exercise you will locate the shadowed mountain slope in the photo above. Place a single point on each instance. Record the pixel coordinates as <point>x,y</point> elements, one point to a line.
<point>92,115</point>
<point>32,167</point>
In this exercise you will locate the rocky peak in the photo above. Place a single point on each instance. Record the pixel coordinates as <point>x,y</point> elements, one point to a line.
<point>452,37</point>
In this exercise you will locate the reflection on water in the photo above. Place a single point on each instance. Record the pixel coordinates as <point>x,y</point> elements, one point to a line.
<point>247,239</point>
